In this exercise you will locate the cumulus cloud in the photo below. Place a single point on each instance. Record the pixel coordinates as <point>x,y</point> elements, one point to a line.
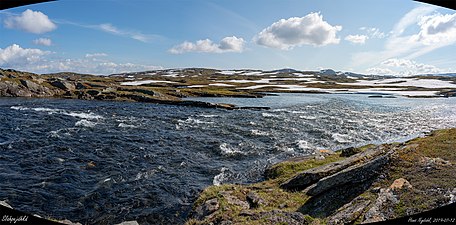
<point>15,55</point>
<point>288,33</point>
<point>437,29</point>
<point>379,71</point>
<point>30,21</point>
<point>403,67</point>
<point>227,44</point>
<point>39,61</point>
<point>43,41</point>
<point>357,39</point>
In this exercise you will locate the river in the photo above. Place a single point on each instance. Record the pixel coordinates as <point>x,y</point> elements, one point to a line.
<point>100,162</point>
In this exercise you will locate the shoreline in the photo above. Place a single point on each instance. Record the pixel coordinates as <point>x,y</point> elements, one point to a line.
<point>160,88</point>
<point>367,184</point>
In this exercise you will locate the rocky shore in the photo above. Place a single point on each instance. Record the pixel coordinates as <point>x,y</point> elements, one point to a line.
<point>353,186</point>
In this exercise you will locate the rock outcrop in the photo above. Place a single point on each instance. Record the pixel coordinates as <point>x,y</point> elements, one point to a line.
<point>376,184</point>
<point>306,178</point>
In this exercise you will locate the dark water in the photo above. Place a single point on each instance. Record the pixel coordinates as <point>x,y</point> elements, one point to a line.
<point>151,161</point>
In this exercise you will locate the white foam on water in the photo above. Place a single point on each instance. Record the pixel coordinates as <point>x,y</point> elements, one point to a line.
<point>269,115</point>
<point>259,132</point>
<point>227,149</point>
<point>85,123</point>
<point>88,116</point>
<point>145,174</point>
<point>19,108</point>
<point>81,115</point>
<point>124,125</point>
<point>302,144</point>
<point>208,115</point>
<point>218,179</point>
<point>341,138</point>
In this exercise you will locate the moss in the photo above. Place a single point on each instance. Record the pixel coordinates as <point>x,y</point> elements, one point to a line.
<point>287,169</point>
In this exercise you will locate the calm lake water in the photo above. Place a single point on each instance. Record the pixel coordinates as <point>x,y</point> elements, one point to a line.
<point>100,162</point>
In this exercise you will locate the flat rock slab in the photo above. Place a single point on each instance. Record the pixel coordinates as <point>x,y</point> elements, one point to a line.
<point>311,176</point>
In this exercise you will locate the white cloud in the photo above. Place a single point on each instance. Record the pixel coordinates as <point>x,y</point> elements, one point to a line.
<point>109,28</point>
<point>94,55</point>
<point>227,44</point>
<point>43,41</point>
<point>437,29</point>
<point>404,67</point>
<point>288,33</point>
<point>411,18</point>
<point>357,39</point>
<point>379,71</point>
<point>38,61</point>
<point>15,55</point>
<point>373,32</point>
<point>30,21</point>
<point>434,32</point>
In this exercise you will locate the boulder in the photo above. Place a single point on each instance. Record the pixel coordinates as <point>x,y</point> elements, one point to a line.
<point>36,89</point>
<point>3,203</point>
<point>311,176</point>
<point>128,223</point>
<point>254,200</point>
<point>206,209</point>
<point>400,183</point>
<point>64,85</point>
<point>13,89</point>
<point>277,217</point>
<point>382,208</point>
<point>68,222</point>
<point>350,212</point>
<point>233,200</point>
<point>353,174</point>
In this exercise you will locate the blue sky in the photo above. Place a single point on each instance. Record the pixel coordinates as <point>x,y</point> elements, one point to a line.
<point>112,36</point>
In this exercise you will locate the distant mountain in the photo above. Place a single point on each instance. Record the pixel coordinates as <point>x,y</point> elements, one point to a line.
<point>443,74</point>
<point>286,70</point>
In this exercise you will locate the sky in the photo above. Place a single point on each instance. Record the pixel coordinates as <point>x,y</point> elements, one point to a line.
<point>113,36</point>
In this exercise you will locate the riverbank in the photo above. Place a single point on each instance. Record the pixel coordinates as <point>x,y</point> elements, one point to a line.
<point>356,185</point>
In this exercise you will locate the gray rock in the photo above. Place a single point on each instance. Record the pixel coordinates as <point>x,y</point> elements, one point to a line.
<point>207,208</point>
<point>382,208</point>
<point>37,89</point>
<point>13,89</point>
<point>68,222</point>
<point>80,86</point>
<point>233,200</point>
<point>64,85</point>
<point>3,203</point>
<point>349,151</point>
<point>279,217</point>
<point>353,174</point>
<point>350,212</point>
<point>128,223</point>
<point>254,200</point>
<point>311,176</point>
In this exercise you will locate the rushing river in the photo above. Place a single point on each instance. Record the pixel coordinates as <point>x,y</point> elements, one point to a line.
<point>106,162</point>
